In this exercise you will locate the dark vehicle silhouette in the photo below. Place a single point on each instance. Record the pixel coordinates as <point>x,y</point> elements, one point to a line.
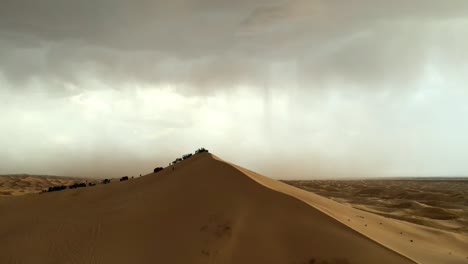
<point>105,181</point>
<point>77,185</point>
<point>186,156</point>
<point>176,161</point>
<point>201,150</point>
<point>158,169</point>
<point>124,178</point>
<point>56,188</point>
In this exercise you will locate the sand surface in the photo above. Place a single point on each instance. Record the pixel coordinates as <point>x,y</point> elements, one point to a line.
<point>29,184</point>
<point>209,211</point>
<point>441,203</point>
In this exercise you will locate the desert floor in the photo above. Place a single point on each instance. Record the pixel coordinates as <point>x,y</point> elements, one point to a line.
<point>12,185</point>
<point>206,210</point>
<point>439,203</point>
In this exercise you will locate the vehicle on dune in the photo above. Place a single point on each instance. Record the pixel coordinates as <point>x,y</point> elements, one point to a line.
<point>125,178</point>
<point>201,150</point>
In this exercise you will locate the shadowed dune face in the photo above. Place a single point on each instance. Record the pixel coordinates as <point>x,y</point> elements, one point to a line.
<point>438,203</point>
<point>203,211</point>
<point>28,184</point>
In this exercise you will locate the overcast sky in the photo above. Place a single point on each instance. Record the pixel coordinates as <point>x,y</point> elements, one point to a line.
<point>291,89</point>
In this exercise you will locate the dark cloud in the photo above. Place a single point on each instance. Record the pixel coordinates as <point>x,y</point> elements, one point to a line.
<point>390,55</point>
<point>304,70</point>
<point>204,45</point>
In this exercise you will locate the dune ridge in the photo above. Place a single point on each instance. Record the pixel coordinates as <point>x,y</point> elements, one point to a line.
<point>201,210</point>
<point>420,243</point>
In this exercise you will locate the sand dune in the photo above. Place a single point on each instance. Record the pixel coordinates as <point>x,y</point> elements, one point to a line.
<point>208,211</point>
<point>28,184</point>
<point>436,202</point>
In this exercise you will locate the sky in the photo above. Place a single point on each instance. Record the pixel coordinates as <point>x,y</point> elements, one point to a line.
<point>298,89</point>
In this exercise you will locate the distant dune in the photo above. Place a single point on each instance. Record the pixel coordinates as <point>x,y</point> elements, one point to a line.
<point>206,210</point>
<point>27,184</point>
<point>437,202</point>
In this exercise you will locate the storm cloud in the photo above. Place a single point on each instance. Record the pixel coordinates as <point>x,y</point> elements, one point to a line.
<point>220,44</point>
<point>326,78</point>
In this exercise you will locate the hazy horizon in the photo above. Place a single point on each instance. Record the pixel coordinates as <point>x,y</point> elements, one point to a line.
<point>297,89</point>
<point>323,178</point>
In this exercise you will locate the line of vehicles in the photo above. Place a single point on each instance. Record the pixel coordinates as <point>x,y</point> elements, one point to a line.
<point>187,156</point>
<point>125,178</point>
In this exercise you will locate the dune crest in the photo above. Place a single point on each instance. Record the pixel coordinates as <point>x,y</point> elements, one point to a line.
<point>419,243</point>
<point>201,210</point>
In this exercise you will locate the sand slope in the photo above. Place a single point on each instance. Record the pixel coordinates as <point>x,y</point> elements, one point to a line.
<point>205,211</point>
<point>419,243</point>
